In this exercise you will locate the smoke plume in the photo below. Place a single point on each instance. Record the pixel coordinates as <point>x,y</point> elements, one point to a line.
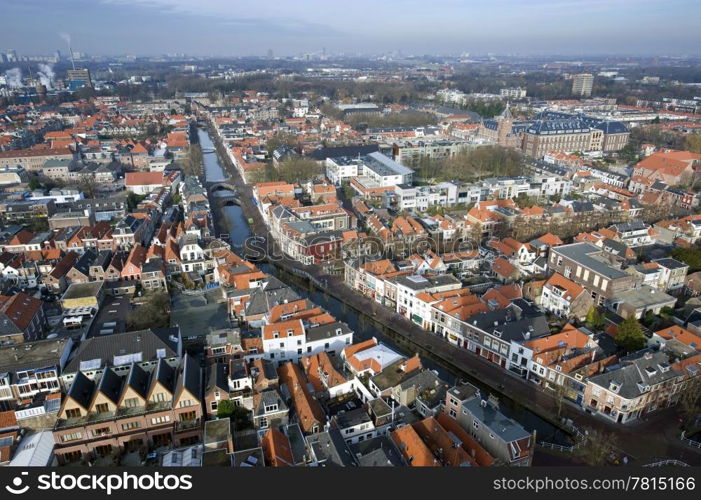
<point>14,78</point>
<point>46,75</point>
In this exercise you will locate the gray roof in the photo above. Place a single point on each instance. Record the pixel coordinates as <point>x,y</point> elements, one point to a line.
<point>106,347</point>
<point>327,331</point>
<point>507,429</point>
<point>216,378</point>
<point>273,293</point>
<point>267,398</point>
<point>641,369</point>
<point>670,263</point>
<point>111,385</point>
<point>583,254</point>
<point>189,377</point>
<point>33,355</point>
<point>330,448</point>
<point>351,418</point>
<point>377,452</point>
<point>81,390</point>
<point>508,324</point>
<point>384,165</point>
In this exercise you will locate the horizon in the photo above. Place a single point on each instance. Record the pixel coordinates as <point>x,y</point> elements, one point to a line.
<point>215,28</point>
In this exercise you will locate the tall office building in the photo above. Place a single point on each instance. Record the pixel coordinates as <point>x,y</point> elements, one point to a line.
<point>582,84</point>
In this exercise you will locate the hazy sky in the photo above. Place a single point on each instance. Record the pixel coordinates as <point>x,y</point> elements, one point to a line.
<point>246,27</point>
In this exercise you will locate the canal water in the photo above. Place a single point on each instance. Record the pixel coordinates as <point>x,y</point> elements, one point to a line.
<point>363,328</point>
<point>233,220</point>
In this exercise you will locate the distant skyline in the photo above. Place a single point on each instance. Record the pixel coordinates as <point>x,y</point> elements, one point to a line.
<point>244,27</point>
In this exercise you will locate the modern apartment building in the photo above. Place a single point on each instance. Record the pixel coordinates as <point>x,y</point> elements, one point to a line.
<point>582,84</point>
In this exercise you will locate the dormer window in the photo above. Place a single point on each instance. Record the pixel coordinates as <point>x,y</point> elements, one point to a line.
<point>614,387</point>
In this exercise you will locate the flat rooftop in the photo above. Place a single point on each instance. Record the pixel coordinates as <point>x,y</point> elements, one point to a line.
<point>585,254</point>
<point>20,355</point>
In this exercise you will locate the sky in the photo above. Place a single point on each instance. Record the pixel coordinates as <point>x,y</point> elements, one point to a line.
<point>292,27</point>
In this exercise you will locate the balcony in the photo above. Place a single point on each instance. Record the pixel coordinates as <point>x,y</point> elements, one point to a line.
<point>94,418</point>
<point>187,425</point>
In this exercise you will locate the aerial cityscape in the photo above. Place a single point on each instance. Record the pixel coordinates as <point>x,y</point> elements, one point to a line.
<point>273,240</point>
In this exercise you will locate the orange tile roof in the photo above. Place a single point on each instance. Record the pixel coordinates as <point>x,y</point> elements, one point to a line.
<point>684,336</point>
<point>282,328</point>
<point>143,178</point>
<point>572,289</point>
<point>277,449</point>
<point>413,448</point>
<point>309,413</point>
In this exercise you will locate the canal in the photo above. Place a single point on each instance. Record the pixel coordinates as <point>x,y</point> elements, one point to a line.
<point>233,221</point>
<point>236,224</point>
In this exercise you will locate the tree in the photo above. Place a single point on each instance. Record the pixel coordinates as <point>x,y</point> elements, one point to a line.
<point>299,169</point>
<point>595,318</point>
<point>192,165</point>
<point>34,183</point>
<point>692,142</point>
<point>630,336</point>
<point>689,256</point>
<point>225,408</point>
<point>88,185</point>
<point>155,313</point>
<point>348,191</point>
<point>596,447</point>
<point>689,401</point>
<point>134,199</point>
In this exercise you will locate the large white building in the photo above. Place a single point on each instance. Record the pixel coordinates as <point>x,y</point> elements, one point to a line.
<point>291,340</point>
<point>378,168</point>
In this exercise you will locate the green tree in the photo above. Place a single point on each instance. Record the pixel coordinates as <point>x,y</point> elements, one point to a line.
<point>595,318</point>
<point>134,199</point>
<point>689,256</point>
<point>348,191</point>
<point>225,408</point>
<point>630,336</point>
<point>34,183</point>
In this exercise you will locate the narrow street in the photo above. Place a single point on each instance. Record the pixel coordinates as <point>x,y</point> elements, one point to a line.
<point>660,429</point>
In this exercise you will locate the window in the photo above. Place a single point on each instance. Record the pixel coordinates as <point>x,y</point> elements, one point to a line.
<point>131,402</point>
<point>71,437</point>
<point>475,424</point>
<point>73,413</point>
<point>102,431</point>
<point>214,405</point>
<point>271,408</point>
<point>102,408</point>
<point>160,397</point>
<point>185,403</point>
<point>130,426</point>
<point>160,420</point>
<point>263,423</point>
